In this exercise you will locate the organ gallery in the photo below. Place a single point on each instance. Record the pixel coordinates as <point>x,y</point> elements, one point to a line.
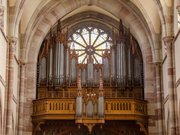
<point>89,72</point>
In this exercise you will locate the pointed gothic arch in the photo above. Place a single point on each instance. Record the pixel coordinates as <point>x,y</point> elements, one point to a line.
<point>39,31</point>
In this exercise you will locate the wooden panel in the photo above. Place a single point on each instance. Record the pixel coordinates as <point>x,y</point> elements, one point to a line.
<point>115,109</point>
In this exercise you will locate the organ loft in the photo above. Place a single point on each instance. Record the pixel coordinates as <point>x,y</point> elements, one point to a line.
<point>90,74</point>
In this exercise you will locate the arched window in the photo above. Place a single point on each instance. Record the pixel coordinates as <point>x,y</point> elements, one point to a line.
<point>90,43</point>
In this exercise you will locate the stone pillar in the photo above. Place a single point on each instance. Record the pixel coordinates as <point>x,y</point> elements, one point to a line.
<point>12,50</point>
<point>2,17</point>
<point>168,41</point>
<point>159,110</point>
<point>21,98</point>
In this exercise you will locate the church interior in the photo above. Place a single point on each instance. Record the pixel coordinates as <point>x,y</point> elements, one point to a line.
<point>89,67</point>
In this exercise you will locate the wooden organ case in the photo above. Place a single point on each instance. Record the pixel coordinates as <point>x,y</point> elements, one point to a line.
<point>89,73</point>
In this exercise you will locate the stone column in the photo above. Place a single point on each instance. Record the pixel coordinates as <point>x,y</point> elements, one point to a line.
<point>21,98</point>
<point>12,50</point>
<point>2,17</point>
<point>168,42</point>
<point>159,110</point>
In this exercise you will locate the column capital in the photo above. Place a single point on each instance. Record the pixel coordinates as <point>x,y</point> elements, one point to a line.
<point>12,41</point>
<point>168,40</point>
<point>22,62</point>
<point>158,63</point>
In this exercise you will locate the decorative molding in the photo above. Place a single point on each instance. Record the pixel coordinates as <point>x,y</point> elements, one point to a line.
<point>176,36</point>
<point>177,82</point>
<point>168,40</point>
<point>164,59</point>
<point>12,43</point>
<point>12,40</point>
<point>19,62</point>
<point>15,99</point>
<point>3,82</point>
<point>16,59</point>
<point>166,99</point>
<point>2,17</point>
<point>4,35</point>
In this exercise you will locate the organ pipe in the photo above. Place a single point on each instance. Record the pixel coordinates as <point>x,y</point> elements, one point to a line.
<point>121,65</point>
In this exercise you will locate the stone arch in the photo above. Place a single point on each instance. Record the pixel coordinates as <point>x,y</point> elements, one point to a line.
<point>22,3</point>
<point>137,30</point>
<point>33,41</point>
<point>166,12</point>
<point>15,16</point>
<point>161,15</point>
<point>65,9</point>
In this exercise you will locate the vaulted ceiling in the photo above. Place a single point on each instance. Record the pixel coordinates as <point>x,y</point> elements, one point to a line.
<point>147,8</point>
<point>145,19</point>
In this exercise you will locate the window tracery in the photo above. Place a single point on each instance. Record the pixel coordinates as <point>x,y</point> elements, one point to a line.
<point>90,43</point>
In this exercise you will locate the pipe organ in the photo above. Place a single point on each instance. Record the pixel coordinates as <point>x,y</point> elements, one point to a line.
<point>88,51</point>
<point>89,73</point>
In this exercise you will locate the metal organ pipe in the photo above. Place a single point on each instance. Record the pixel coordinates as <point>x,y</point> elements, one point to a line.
<point>121,69</point>
<point>54,59</point>
<point>121,65</point>
<point>90,73</point>
<point>65,64</point>
<point>129,65</point>
<point>112,64</point>
<point>118,63</point>
<point>50,64</point>
<point>106,69</point>
<point>73,70</point>
<point>61,64</point>
<point>43,69</point>
<point>57,62</point>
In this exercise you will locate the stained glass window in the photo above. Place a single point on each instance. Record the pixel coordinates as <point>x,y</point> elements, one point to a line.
<point>90,43</point>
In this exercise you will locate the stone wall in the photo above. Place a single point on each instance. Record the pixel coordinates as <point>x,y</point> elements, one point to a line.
<point>3,82</point>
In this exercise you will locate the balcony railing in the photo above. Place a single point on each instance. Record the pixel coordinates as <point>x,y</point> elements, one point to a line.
<point>115,109</point>
<point>126,109</point>
<point>53,109</point>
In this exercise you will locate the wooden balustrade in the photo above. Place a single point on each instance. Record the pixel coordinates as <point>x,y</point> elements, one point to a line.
<point>125,106</point>
<point>54,106</point>
<point>115,109</point>
<point>126,109</point>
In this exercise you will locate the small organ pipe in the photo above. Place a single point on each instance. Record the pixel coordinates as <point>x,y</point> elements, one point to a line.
<point>121,68</point>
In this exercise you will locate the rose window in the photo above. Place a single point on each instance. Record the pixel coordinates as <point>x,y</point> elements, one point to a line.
<point>90,43</point>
